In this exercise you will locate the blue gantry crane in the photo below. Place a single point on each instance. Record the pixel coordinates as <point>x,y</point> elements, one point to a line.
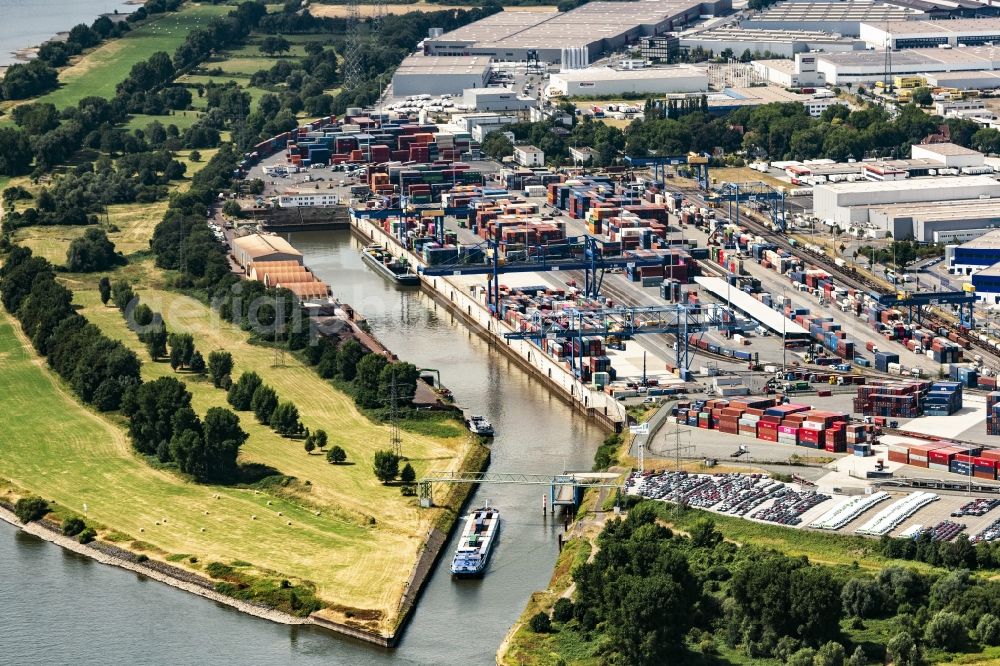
<point>916,301</point>
<point>736,194</point>
<point>676,319</point>
<point>583,252</point>
<point>697,162</point>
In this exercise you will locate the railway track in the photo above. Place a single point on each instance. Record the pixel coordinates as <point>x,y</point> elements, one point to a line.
<point>849,278</point>
<point>855,280</point>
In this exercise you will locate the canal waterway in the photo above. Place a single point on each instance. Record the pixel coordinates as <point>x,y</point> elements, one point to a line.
<point>28,23</point>
<point>71,609</point>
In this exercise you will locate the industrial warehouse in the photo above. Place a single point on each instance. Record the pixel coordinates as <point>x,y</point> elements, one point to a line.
<point>844,18</point>
<point>606,81</point>
<point>931,34</point>
<point>777,43</point>
<point>976,65</point>
<point>594,29</point>
<point>848,203</point>
<point>432,75</point>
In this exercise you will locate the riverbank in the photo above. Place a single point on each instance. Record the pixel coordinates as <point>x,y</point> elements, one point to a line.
<point>30,23</point>
<point>205,590</point>
<point>332,529</point>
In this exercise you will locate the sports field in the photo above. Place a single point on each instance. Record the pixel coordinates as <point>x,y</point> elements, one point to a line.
<point>98,72</point>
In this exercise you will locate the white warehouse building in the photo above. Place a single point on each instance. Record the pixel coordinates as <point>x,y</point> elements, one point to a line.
<point>307,200</point>
<point>496,99</point>
<point>436,75</point>
<point>948,154</point>
<point>848,203</point>
<point>779,43</point>
<point>607,81</point>
<point>840,16</point>
<point>865,67</point>
<point>931,34</point>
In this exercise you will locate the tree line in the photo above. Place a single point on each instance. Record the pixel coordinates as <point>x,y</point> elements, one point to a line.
<point>39,76</point>
<point>772,131</point>
<point>649,592</point>
<point>51,138</point>
<point>100,370</point>
<point>957,554</point>
<point>106,374</point>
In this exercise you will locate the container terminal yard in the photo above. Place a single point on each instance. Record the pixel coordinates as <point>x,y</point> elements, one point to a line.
<point>696,305</point>
<point>652,288</point>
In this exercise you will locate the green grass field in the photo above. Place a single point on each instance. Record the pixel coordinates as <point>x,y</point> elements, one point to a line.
<point>49,242</point>
<point>183,120</point>
<point>353,538</point>
<point>366,575</point>
<point>98,72</point>
<point>58,449</point>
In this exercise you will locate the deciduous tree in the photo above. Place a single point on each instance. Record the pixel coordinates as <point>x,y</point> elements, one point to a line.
<point>241,393</point>
<point>220,364</point>
<point>385,466</point>
<point>263,403</point>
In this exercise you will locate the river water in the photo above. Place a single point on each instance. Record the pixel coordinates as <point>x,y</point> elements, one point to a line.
<point>28,23</point>
<point>68,608</point>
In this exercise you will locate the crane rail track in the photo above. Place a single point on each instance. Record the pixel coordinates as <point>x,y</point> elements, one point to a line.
<point>854,280</point>
<point>850,278</point>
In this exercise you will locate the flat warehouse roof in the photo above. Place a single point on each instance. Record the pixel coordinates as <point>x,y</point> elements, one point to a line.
<point>608,74</point>
<point>968,74</point>
<point>909,184</point>
<point>583,25</point>
<point>416,65</point>
<point>961,209</point>
<point>855,9</point>
<point>750,306</point>
<point>952,26</point>
<point>946,149</point>
<point>876,58</point>
<point>988,241</point>
<point>978,57</point>
<point>991,271</point>
<point>765,35</point>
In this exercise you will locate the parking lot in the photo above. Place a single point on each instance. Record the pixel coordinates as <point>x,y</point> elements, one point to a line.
<point>759,498</point>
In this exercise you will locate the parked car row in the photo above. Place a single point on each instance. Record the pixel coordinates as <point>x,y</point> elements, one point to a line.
<point>977,507</point>
<point>737,494</point>
<point>789,506</point>
<point>990,533</point>
<point>946,530</point>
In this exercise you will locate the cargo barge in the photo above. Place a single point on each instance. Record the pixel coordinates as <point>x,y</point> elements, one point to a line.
<point>397,270</point>
<point>479,425</point>
<point>476,544</point>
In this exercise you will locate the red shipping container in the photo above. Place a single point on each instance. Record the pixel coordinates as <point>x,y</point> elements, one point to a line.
<point>812,436</point>
<point>941,456</point>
